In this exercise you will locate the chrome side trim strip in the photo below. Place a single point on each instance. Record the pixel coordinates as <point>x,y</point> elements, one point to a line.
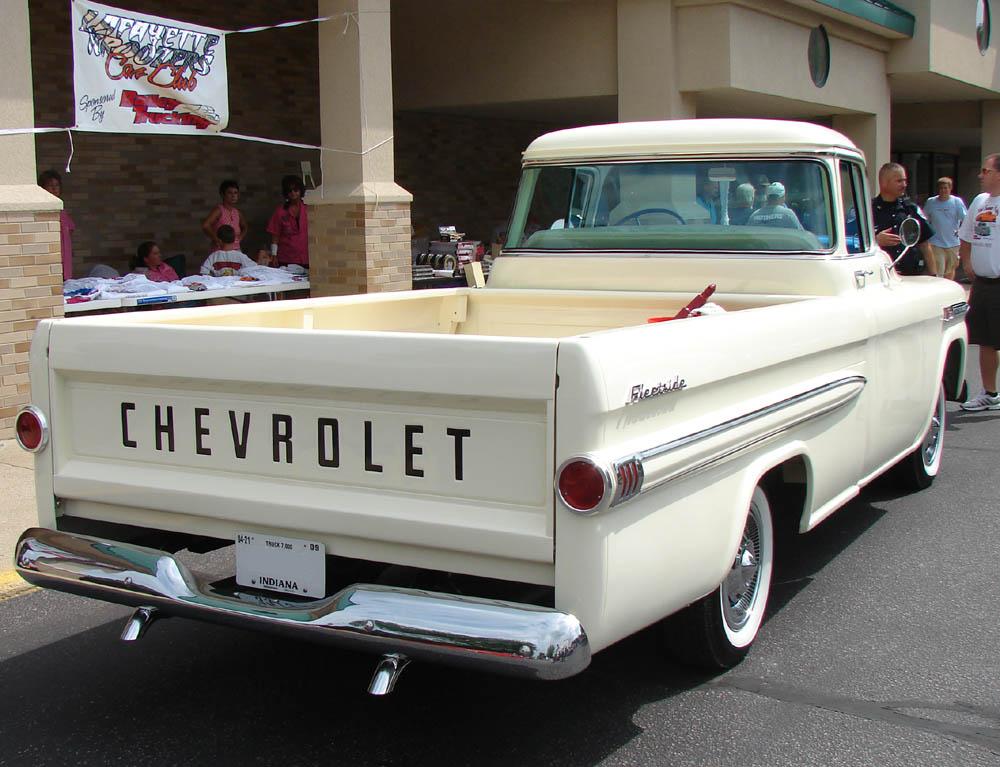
<point>485,634</point>
<point>754,415</point>
<point>645,456</point>
<point>955,312</point>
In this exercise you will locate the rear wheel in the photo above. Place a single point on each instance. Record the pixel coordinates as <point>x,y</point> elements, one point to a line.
<point>717,631</point>
<point>918,470</point>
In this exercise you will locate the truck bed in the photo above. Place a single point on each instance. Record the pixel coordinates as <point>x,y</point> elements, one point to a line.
<point>459,311</point>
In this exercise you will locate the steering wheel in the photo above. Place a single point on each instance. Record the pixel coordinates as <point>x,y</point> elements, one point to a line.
<point>647,211</point>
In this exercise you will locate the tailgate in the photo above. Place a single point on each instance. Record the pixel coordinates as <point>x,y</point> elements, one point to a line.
<point>433,450</point>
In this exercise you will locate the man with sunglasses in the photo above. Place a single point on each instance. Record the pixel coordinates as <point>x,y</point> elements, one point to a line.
<point>979,251</point>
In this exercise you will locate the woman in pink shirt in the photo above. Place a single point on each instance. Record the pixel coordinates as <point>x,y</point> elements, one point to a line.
<point>289,226</point>
<point>51,182</point>
<point>226,214</point>
<point>148,255</point>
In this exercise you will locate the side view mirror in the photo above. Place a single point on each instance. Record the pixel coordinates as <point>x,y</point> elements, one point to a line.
<point>909,233</point>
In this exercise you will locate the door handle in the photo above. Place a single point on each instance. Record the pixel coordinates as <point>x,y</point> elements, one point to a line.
<point>861,277</point>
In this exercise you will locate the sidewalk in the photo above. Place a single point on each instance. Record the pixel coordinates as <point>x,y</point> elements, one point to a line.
<point>17,501</point>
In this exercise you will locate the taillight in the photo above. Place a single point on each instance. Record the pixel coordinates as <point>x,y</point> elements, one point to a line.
<point>31,429</point>
<point>583,485</point>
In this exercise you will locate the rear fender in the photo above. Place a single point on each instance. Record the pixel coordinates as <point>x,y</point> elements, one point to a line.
<point>768,460</point>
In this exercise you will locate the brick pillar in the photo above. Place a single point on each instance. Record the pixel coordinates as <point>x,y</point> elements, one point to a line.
<point>359,221</point>
<point>362,248</point>
<point>30,263</point>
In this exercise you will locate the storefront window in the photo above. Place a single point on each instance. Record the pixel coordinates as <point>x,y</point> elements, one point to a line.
<point>819,56</point>
<point>710,205</point>
<point>923,169</point>
<point>983,25</point>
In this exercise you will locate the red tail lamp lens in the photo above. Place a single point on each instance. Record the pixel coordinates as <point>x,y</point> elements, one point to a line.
<point>581,485</point>
<point>29,429</point>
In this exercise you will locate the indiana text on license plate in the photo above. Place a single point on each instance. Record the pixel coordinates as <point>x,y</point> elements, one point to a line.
<point>289,565</point>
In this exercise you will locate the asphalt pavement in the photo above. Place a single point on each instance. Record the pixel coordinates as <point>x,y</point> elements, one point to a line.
<point>881,648</point>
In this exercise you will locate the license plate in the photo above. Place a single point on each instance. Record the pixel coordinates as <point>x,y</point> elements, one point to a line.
<point>289,565</point>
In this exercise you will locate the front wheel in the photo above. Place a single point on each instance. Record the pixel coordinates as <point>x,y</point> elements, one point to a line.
<point>716,631</point>
<point>918,470</point>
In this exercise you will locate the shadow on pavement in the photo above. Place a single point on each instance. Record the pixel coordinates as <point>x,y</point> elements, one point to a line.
<point>799,558</point>
<point>193,693</point>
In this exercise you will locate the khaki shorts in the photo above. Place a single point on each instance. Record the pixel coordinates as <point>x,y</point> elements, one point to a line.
<point>947,260</point>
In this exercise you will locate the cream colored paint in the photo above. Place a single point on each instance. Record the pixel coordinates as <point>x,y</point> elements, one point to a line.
<point>17,152</point>
<point>541,365</point>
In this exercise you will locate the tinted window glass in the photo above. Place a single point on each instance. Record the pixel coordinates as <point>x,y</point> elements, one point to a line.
<point>766,205</point>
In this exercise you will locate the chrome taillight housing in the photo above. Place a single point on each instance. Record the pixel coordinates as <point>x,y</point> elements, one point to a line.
<point>587,485</point>
<point>31,429</point>
<point>584,485</point>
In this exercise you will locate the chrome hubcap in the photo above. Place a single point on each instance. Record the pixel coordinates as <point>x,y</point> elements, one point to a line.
<point>932,439</point>
<point>740,587</point>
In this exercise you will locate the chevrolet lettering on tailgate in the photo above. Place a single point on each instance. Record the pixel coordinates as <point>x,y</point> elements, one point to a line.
<point>325,431</point>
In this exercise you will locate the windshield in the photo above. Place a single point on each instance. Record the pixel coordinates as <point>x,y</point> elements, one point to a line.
<point>711,205</point>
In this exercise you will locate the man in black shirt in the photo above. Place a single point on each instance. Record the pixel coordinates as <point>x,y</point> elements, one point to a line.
<point>889,209</point>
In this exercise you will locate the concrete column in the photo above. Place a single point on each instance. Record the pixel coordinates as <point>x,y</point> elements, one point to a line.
<point>648,85</point>
<point>870,132</point>
<point>359,220</point>
<point>990,128</point>
<point>30,265</point>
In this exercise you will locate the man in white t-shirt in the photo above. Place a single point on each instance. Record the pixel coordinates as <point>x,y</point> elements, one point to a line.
<point>946,212</point>
<point>980,254</point>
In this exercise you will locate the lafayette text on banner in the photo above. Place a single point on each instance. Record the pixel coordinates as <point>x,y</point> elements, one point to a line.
<point>136,73</point>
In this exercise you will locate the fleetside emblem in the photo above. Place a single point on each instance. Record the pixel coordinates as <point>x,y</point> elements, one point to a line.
<point>641,391</point>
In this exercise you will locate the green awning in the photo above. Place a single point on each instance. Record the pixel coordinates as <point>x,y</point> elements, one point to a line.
<point>880,12</point>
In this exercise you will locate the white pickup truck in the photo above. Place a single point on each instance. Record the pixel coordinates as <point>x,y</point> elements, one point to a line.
<point>513,477</point>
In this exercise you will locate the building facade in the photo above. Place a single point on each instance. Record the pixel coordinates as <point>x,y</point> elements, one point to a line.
<point>423,107</point>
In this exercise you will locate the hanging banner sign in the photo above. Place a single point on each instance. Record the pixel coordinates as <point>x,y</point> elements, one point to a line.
<point>136,73</point>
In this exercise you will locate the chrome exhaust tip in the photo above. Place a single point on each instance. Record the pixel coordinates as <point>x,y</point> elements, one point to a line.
<point>386,673</point>
<point>136,626</point>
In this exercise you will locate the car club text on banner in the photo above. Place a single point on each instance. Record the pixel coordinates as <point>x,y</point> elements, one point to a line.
<point>136,73</point>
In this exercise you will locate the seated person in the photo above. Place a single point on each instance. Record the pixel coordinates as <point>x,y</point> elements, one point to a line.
<point>742,205</point>
<point>147,256</point>
<point>104,272</point>
<point>708,198</point>
<point>774,212</point>
<point>229,261</point>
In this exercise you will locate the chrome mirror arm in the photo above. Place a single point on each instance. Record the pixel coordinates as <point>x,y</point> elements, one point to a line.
<point>896,260</point>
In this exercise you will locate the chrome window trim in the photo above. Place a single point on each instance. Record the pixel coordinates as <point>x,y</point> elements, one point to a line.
<point>750,156</point>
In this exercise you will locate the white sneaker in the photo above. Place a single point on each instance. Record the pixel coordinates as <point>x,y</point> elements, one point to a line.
<point>982,401</point>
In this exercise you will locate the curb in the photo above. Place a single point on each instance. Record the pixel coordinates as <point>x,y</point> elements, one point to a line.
<point>12,585</point>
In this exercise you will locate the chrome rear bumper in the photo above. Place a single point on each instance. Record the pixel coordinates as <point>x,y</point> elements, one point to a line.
<point>488,635</point>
